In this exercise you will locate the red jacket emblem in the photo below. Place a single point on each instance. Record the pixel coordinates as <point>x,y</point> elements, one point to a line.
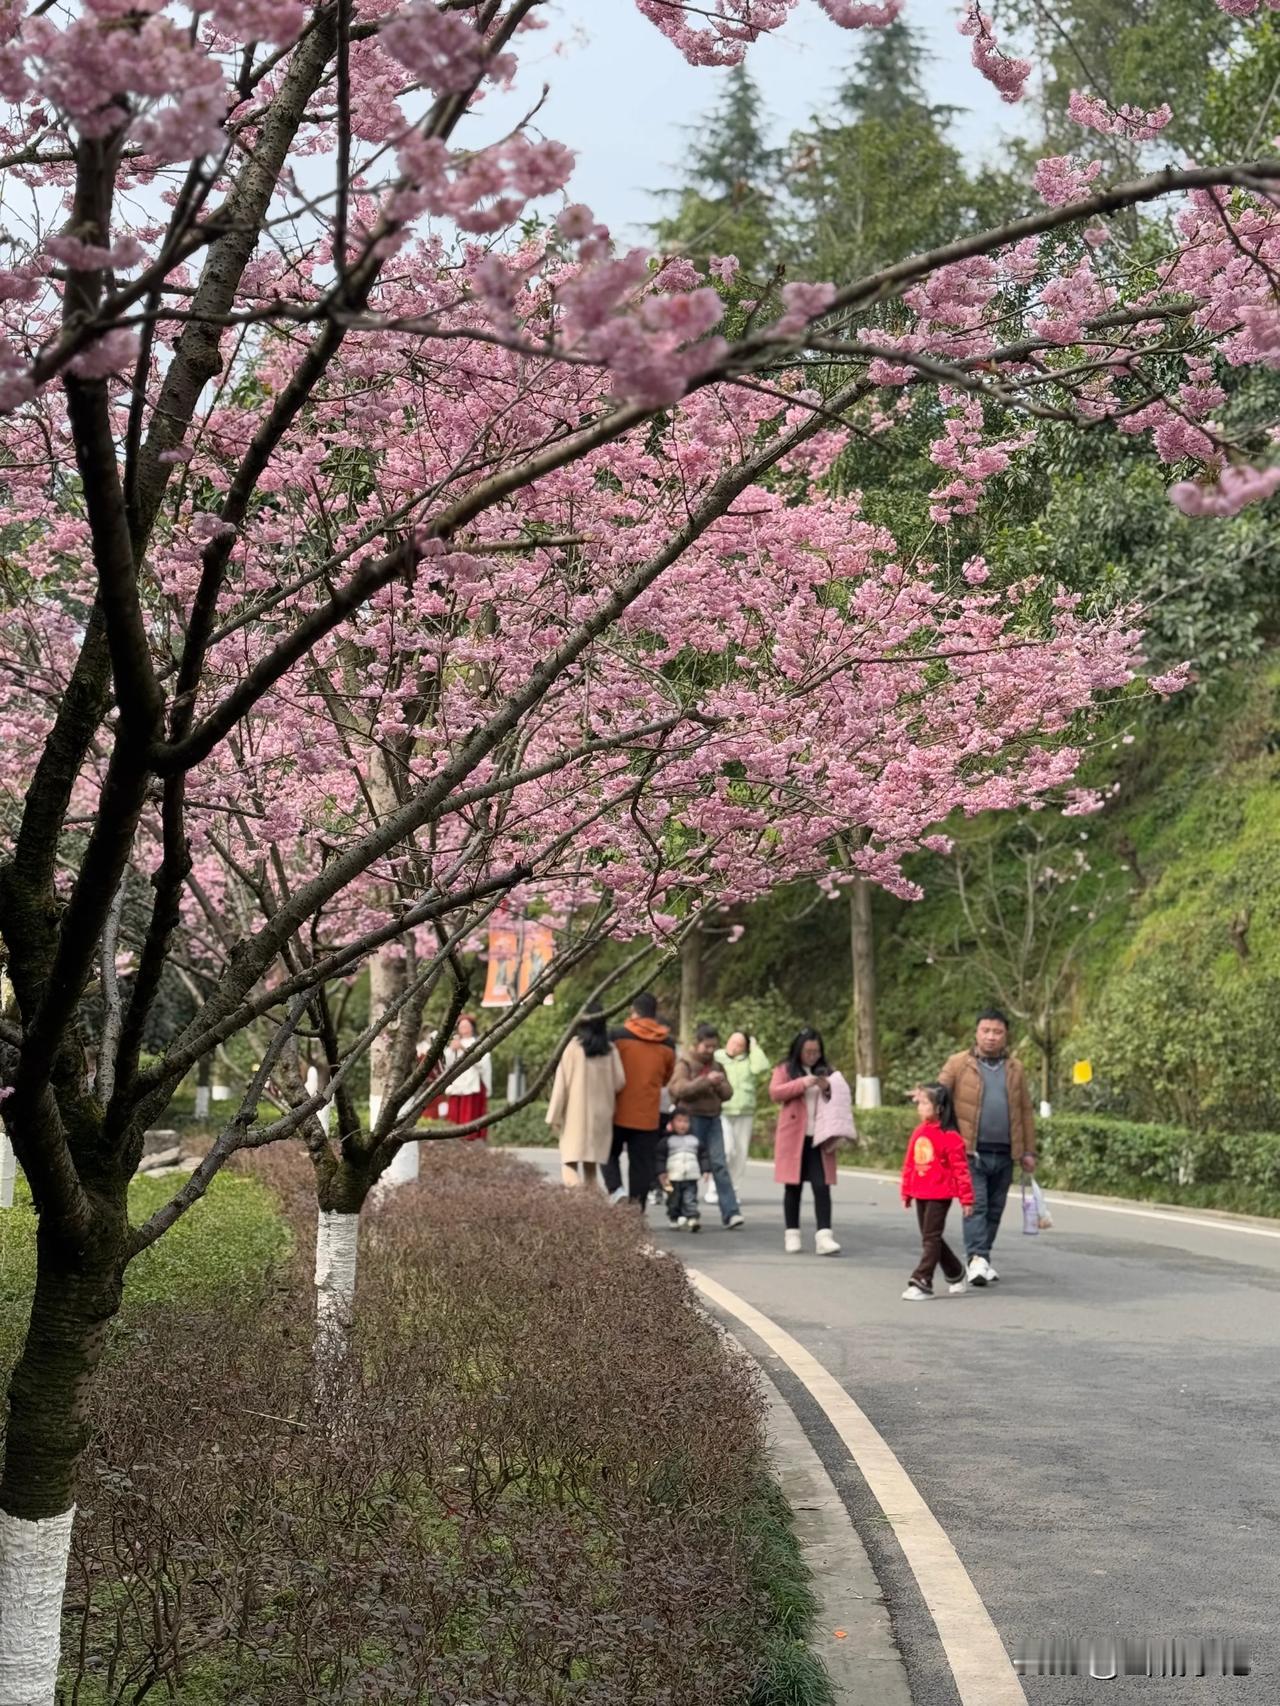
<point>935,1165</point>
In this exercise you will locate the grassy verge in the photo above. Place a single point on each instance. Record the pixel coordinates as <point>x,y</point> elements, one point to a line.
<point>224,1247</point>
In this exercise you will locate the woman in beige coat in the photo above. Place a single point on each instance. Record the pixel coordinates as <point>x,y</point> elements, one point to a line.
<point>588,1079</point>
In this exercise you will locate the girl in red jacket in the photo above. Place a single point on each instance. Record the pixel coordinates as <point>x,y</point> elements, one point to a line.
<point>934,1170</point>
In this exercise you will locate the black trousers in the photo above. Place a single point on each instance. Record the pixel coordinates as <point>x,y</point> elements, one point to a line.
<point>812,1173</point>
<point>642,1172</point>
<point>931,1213</point>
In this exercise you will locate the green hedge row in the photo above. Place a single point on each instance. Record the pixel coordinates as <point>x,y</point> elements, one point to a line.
<point>1120,1158</point>
<point>1078,1152</point>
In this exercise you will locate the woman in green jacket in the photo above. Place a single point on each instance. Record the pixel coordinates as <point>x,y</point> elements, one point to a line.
<point>742,1061</point>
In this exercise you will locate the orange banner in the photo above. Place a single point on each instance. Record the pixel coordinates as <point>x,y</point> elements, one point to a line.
<point>503,974</point>
<point>518,955</point>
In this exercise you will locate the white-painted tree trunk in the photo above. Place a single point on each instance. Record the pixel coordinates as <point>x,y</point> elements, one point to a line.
<point>1046,1109</point>
<point>313,1089</point>
<point>8,1171</point>
<point>221,1092</point>
<point>337,1241</point>
<point>203,1099</point>
<point>866,1093</point>
<point>33,1576</point>
<point>403,1168</point>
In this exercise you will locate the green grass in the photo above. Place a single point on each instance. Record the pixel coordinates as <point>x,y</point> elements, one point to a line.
<point>791,1674</point>
<point>230,1239</point>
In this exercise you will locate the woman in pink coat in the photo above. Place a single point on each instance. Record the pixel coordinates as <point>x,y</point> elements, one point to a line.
<point>799,1085</point>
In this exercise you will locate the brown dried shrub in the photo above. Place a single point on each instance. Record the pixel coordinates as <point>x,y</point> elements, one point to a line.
<point>531,1488</point>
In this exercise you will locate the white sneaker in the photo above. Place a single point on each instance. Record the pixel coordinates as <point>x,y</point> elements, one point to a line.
<point>958,1287</point>
<point>992,1275</point>
<point>734,1222</point>
<point>917,1294</point>
<point>825,1245</point>
<point>682,1220</point>
<point>694,1225</point>
<point>619,1195</point>
<point>979,1270</point>
<point>791,1241</point>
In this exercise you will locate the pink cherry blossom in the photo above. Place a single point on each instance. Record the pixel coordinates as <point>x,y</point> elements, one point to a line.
<point>1124,120</point>
<point>1234,488</point>
<point>1062,178</point>
<point>1007,75</point>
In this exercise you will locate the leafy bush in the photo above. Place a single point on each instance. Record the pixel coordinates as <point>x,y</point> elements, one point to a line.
<point>522,1492</point>
<point>1102,1156</point>
<point>526,1128</point>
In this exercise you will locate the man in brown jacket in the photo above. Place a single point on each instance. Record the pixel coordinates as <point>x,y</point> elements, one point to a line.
<point>701,1089</point>
<point>993,1111</point>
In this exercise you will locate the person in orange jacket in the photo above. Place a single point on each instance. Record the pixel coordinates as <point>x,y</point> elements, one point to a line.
<point>934,1171</point>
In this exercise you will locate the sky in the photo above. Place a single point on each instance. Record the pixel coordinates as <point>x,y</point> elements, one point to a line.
<point>621,94</point>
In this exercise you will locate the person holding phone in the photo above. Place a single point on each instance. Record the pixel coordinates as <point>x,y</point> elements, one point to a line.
<point>799,1085</point>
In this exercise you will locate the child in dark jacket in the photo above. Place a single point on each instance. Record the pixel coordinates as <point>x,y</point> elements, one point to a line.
<point>683,1158</point>
<point>934,1170</point>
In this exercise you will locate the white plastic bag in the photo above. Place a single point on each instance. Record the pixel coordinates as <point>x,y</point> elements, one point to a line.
<point>1030,1212</point>
<point>1043,1217</point>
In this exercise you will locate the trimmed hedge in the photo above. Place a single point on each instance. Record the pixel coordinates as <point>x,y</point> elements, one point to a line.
<point>1116,1158</point>
<point>520,1489</point>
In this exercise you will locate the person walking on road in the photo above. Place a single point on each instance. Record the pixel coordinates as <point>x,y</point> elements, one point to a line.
<point>700,1087</point>
<point>683,1158</point>
<point>799,1085</point>
<point>935,1171</point>
<point>742,1061</point>
<point>993,1111</point>
<point>648,1059</point>
<point>588,1078</point>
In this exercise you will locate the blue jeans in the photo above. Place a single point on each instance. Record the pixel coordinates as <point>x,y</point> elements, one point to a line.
<point>992,1173</point>
<point>708,1128</point>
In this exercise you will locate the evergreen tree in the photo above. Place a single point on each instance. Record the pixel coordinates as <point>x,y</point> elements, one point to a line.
<point>881,178</point>
<point>727,204</point>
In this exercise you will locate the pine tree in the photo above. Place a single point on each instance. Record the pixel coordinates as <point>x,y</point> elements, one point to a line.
<point>881,177</point>
<point>727,205</point>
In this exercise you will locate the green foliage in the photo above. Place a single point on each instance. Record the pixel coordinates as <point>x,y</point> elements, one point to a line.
<point>1186,1019</point>
<point>1130,50</point>
<point>220,1249</point>
<point>877,177</point>
<point>726,205</point>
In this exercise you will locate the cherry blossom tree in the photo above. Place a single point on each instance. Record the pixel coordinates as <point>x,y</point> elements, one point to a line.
<point>370,561</point>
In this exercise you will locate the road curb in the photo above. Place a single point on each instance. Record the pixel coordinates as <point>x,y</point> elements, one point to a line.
<point>863,1661</point>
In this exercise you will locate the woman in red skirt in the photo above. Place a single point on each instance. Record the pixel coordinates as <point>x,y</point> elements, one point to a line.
<point>467,1096</point>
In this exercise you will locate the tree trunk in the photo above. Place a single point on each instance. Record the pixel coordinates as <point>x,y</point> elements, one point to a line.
<point>866,1048</point>
<point>340,1198</point>
<point>77,1295</point>
<point>690,985</point>
<point>317,1077</point>
<point>386,984</point>
<point>1046,1076</point>
<point>204,1076</point>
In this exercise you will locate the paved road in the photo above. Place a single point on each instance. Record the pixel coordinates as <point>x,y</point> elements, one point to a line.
<point>1098,1435</point>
